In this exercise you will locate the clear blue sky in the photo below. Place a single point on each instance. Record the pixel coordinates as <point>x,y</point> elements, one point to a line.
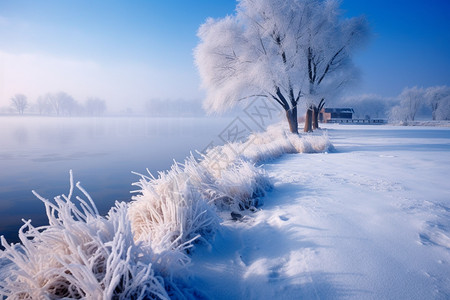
<point>130,51</point>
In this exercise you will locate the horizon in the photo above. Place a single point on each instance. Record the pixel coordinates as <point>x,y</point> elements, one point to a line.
<point>131,53</point>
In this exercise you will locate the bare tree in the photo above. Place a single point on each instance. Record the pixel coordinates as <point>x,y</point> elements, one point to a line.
<point>68,105</point>
<point>52,99</point>
<point>95,106</point>
<point>43,105</point>
<point>20,103</point>
<point>62,103</point>
<point>284,50</point>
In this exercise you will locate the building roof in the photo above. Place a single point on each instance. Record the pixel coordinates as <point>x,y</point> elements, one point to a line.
<point>339,110</point>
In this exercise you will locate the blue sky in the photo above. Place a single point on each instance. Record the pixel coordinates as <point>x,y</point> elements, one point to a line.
<point>410,45</point>
<point>128,52</point>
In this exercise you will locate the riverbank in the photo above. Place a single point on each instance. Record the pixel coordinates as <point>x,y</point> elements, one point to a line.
<point>365,219</point>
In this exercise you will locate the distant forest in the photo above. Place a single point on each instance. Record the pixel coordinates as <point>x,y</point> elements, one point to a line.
<point>412,103</point>
<point>62,104</point>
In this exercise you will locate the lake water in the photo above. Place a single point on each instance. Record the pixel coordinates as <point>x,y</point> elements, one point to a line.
<point>37,153</point>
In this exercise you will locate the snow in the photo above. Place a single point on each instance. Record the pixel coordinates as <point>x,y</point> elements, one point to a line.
<point>141,249</point>
<point>368,221</point>
<point>79,254</point>
<point>260,52</point>
<point>366,218</point>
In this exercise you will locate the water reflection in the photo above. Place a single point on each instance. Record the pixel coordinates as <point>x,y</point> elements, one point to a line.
<point>20,135</point>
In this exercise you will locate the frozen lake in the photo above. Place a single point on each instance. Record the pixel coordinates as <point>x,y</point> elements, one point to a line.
<point>37,153</point>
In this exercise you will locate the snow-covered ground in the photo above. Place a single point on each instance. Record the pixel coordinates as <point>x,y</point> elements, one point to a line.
<point>366,219</point>
<point>369,221</point>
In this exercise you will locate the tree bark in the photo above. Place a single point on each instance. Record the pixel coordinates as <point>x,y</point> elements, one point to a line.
<point>316,112</point>
<point>291,115</point>
<point>315,117</point>
<point>308,120</point>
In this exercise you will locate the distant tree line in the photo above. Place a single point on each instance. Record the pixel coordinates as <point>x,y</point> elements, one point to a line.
<point>59,104</point>
<point>432,102</point>
<point>412,100</point>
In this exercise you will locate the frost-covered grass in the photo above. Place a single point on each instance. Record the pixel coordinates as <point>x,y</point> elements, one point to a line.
<point>79,254</point>
<point>179,206</point>
<point>140,249</point>
<point>268,145</point>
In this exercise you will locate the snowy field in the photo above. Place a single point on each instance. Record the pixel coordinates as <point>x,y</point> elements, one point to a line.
<point>368,221</point>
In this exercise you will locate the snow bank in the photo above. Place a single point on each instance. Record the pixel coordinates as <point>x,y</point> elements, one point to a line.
<point>140,249</point>
<point>268,145</point>
<point>171,211</point>
<point>430,123</point>
<point>179,206</point>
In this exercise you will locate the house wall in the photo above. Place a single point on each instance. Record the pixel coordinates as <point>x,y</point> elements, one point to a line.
<point>325,116</point>
<point>338,115</point>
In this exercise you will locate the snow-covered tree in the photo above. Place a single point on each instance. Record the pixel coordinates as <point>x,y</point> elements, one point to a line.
<point>411,100</point>
<point>397,114</point>
<point>19,102</point>
<point>443,111</point>
<point>437,98</point>
<point>286,50</point>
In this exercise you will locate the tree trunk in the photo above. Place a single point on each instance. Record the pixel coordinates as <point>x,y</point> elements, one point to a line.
<point>308,120</point>
<point>316,112</point>
<point>315,117</point>
<point>291,116</point>
<point>433,111</point>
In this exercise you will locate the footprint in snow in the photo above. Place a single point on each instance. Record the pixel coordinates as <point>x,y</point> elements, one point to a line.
<point>284,218</point>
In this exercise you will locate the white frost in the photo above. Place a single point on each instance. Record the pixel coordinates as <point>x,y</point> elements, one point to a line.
<point>140,250</point>
<point>80,254</point>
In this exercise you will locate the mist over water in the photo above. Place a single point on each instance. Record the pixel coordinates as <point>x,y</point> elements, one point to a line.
<point>36,153</point>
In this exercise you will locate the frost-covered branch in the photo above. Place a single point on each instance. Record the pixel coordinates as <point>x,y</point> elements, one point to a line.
<point>291,45</point>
